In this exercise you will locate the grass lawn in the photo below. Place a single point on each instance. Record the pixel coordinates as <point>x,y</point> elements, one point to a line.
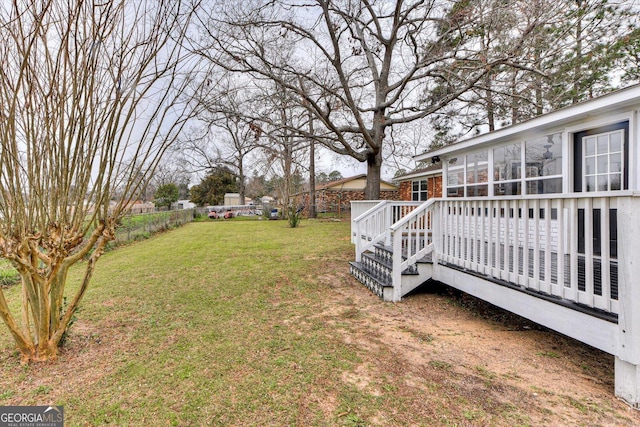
<point>253,323</point>
<point>212,323</point>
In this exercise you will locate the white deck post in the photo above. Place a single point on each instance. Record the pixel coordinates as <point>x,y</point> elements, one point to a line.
<point>396,271</point>
<point>436,225</point>
<point>627,364</point>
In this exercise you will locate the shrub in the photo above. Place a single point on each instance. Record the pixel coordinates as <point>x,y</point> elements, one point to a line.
<point>293,215</point>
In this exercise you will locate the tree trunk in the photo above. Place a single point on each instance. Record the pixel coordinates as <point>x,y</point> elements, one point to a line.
<point>486,40</point>
<point>514,103</point>
<point>241,183</point>
<point>489,102</point>
<point>45,315</point>
<point>312,181</point>
<point>578,55</point>
<point>312,172</point>
<point>374,168</point>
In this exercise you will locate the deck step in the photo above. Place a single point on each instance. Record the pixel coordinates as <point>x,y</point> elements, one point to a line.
<point>375,272</point>
<point>378,287</point>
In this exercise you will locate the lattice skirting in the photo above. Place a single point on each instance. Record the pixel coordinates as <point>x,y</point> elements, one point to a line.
<point>371,283</point>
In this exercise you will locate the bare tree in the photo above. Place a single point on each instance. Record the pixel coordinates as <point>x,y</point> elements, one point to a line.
<point>361,67</point>
<point>91,96</point>
<point>171,170</point>
<point>282,147</point>
<point>228,134</point>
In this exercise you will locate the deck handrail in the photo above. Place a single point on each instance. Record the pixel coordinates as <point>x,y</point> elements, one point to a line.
<point>369,227</point>
<point>412,240</point>
<point>404,220</point>
<point>374,225</point>
<point>370,210</point>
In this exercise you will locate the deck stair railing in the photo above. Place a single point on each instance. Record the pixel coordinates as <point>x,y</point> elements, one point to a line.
<point>374,225</point>
<point>412,241</point>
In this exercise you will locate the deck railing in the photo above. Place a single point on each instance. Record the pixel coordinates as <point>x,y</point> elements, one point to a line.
<point>357,209</point>
<point>412,240</point>
<point>565,247</point>
<point>373,226</point>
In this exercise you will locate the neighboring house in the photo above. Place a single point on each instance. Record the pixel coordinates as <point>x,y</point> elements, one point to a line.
<point>233,199</point>
<point>183,204</point>
<point>541,218</point>
<point>336,196</point>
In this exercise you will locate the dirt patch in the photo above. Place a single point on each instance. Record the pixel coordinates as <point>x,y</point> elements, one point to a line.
<point>457,353</point>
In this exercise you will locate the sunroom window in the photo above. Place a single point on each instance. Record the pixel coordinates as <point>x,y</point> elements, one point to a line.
<point>543,165</point>
<point>603,166</point>
<point>455,178</point>
<point>507,170</point>
<point>477,174</point>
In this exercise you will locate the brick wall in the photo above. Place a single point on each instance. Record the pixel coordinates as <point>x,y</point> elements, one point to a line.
<point>434,188</point>
<point>405,190</point>
<point>328,200</point>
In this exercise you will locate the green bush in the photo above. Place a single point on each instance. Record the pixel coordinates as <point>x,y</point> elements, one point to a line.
<point>294,216</point>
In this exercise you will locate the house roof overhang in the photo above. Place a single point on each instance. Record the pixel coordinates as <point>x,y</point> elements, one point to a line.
<point>614,102</point>
<point>432,170</point>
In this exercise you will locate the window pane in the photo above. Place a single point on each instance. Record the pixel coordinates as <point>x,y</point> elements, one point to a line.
<point>455,192</point>
<point>507,189</point>
<point>590,165</point>
<point>603,144</point>
<point>615,163</point>
<point>550,186</point>
<point>416,186</point>
<point>603,182</point>
<point>590,146</point>
<point>506,162</point>
<point>455,177</point>
<point>478,174</point>
<point>545,154</point>
<point>477,167</point>
<point>591,183</point>
<point>602,166</point>
<point>477,190</point>
<point>616,180</point>
<point>544,186</point>
<point>616,141</point>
